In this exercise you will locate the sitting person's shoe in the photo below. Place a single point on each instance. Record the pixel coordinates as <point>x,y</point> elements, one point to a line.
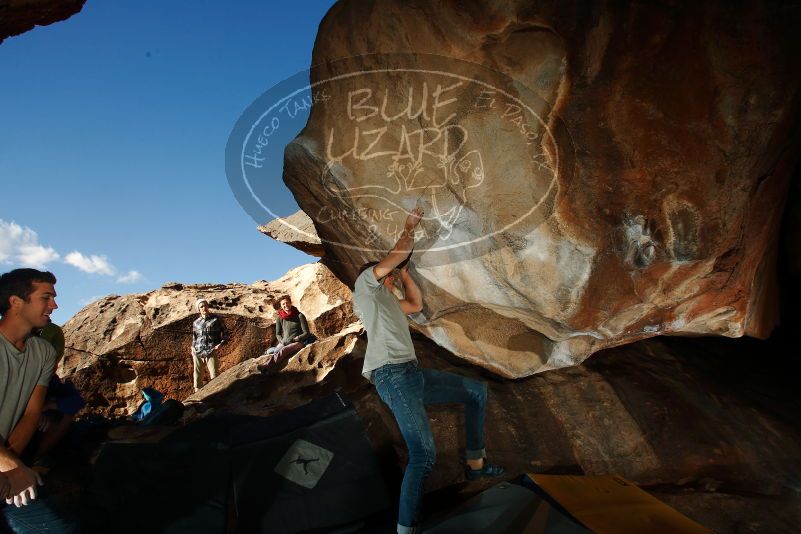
<point>487,471</point>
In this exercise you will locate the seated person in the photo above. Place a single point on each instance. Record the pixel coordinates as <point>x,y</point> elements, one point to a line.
<point>27,298</point>
<point>291,331</point>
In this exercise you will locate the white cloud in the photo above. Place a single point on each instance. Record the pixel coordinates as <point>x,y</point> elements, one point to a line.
<point>36,256</point>
<point>90,264</point>
<point>130,278</point>
<point>20,245</point>
<point>100,264</point>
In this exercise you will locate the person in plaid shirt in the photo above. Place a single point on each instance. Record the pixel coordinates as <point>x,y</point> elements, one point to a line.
<point>208,333</point>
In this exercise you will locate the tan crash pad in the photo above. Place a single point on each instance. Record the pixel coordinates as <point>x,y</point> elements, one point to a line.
<point>610,504</point>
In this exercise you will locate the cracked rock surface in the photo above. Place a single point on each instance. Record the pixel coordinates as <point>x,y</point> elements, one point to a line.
<point>592,175</point>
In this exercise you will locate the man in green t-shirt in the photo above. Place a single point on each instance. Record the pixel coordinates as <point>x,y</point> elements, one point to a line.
<point>27,298</point>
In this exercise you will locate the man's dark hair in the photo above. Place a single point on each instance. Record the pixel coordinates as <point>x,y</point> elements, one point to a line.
<point>19,283</point>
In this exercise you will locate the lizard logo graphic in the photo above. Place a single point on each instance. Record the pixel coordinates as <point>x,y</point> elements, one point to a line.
<point>304,462</point>
<point>358,143</point>
<point>438,176</point>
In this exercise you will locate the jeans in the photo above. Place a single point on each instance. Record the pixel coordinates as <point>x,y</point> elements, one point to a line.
<point>406,389</point>
<point>284,352</point>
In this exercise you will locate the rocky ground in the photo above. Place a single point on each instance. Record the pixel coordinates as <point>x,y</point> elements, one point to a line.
<point>694,421</point>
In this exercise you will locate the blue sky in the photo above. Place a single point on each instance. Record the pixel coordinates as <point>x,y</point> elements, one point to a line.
<point>113,126</point>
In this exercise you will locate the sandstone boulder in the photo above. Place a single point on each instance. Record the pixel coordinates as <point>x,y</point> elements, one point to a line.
<point>120,344</point>
<point>297,231</point>
<point>592,175</point>
<point>244,389</point>
<point>20,16</point>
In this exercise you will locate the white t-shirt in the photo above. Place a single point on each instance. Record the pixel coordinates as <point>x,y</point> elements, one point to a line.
<point>388,338</point>
<point>20,372</point>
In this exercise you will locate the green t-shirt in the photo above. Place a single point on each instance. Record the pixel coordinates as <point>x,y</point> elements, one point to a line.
<point>55,335</point>
<point>388,338</point>
<point>20,372</point>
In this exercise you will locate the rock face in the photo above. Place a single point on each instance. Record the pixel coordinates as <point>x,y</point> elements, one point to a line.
<point>19,16</point>
<point>118,345</point>
<point>591,175</point>
<point>297,231</point>
<point>244,389</point>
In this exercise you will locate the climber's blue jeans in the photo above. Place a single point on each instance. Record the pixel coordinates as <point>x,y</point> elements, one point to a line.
<point>406,389</point>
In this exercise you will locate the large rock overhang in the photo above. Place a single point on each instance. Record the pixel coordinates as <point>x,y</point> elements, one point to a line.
<point>590,177</point>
